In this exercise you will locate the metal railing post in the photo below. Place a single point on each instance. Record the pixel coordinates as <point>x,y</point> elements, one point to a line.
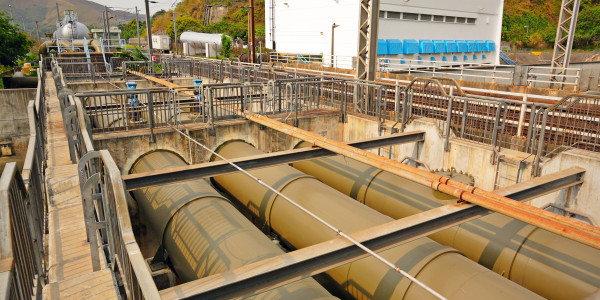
<point>151,116</point>
<point>448,125</point>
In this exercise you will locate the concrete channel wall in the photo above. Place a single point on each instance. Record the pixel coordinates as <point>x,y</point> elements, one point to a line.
<point>126,148</point>
<point>489,171</point>
<point>14,124</point>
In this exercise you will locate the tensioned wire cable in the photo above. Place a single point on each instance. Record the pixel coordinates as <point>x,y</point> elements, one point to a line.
<point>333,228</point>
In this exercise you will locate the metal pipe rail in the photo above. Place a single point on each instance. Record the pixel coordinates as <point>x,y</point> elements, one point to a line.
<point>20,266</point>
<point>109,226</point>
<point>22,211</point>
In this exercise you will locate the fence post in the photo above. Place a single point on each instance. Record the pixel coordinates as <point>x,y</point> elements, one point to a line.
<point>448,121</point>
<point>151,116</point>
<point>538,157</point>
<point>211,117</point>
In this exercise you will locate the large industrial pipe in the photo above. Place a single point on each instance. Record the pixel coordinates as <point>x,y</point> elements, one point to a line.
<point>441,268</point>
<point>204,234</point>
<point>548,264</point>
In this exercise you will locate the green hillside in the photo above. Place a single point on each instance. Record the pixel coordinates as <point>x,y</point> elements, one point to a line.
<point>540,17</point>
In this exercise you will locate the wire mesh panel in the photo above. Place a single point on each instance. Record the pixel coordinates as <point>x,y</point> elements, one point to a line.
<point>478,120</point>
<point>573,122</point>
<point>129,109</point>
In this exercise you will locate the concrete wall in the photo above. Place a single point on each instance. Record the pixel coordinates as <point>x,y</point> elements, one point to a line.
<point>587,199</point>
<point>126,148</point>
<point>14,123</point>
<point>489,171</point>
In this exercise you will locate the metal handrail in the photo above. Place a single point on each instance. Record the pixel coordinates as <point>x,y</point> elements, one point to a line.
<point>100,179</point>
<point>22,208</point>
<point>98,167</point>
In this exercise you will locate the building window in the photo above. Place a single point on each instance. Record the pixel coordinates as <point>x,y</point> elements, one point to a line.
<point>425,17</point>
<point>410,16</point>
<point>393,15</point>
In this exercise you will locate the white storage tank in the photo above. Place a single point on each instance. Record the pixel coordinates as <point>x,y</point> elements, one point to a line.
<point>205,44</point>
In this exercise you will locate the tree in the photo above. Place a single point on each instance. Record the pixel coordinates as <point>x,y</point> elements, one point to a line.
<point>14,43</point>
<point>185,23</point>
<point>129,30</point>
<point>588,31</point>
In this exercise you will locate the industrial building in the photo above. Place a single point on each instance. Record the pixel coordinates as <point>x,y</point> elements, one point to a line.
<point>191,177</point>
<point>464,31</point>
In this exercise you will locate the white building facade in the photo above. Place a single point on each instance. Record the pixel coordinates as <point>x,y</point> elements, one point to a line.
<point>453,31</point>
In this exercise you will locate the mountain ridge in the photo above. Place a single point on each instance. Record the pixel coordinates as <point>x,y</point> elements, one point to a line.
<point>44,11</point>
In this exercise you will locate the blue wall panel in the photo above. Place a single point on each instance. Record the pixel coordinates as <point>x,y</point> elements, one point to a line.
<point>411,47</point>
<point>394,47</point>
<point>382,48</point>
<point>451,46</point>
<point>426,46</point>
<point>462,46</point>
<point>439,46</point>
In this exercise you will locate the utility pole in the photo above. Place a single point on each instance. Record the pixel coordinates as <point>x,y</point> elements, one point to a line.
<point>251,48</point>
<point>148,28</point>
<point>175,30</point>
<point>37,30</point>
<point>103,25</point>
<point>58,16</point>
<point>11,16</point>
<point>137,26</point>
<point>107,27</point>
<point>333,27</point>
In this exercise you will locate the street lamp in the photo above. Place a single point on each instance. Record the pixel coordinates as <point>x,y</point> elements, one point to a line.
<point>333,27</point>
<point>527,27</point>
<point>10,9</point>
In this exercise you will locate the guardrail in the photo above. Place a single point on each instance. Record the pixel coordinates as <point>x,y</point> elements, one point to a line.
<point>573,122</point>
<point>23,209</point>
<point>389,101</point>
<point>107,217</point>
<point>109,225</point>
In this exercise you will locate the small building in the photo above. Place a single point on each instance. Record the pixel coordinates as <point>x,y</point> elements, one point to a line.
<point>115,33</point>
<point>161,42</point>
<point>459,31</point>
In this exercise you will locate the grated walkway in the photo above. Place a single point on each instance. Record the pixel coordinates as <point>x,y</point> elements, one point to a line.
<point>70,272</point>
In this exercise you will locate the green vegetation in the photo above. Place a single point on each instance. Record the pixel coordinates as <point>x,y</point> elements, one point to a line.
<point>532,23</point>
<point>226,45</point>
<point>14,43</point>
<point>190,14</point>
<point>185,23</point>
<point>129,30</point>
<point>132,55</point>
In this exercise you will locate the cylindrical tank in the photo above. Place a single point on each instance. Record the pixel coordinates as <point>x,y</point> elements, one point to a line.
<point>203,233</point>
<point>441,268</point>
<point>548,264</point>
<point>199,38</point>
<point>71,31</point>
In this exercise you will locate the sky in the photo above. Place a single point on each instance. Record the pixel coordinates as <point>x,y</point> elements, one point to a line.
<point>129,5</point>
